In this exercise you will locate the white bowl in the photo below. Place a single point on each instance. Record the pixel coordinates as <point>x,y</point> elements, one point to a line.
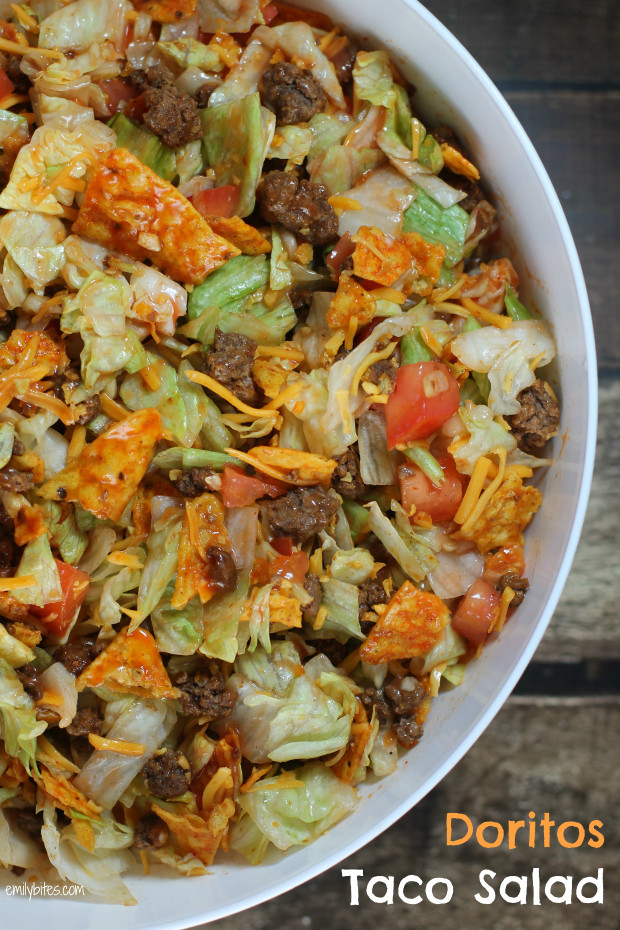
<point>452,88</point>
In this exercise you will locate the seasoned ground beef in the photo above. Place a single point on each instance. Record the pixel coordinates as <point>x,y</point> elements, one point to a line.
<point>408,731</point>
<point>87,410</point>
<point>85,721</point>
<point>204,92</point>
<point>29,678</point>
<point>193,483</point>
<point>150,832</point>
<point>170,113</point>
<point>167,774</point>
<point>292,93</point>
<point>313,586</point>
<point>372,698</point>
<point>15,481</point>
<point>30,822</point>
<point>14,72</point>
<point>230,363</point>
<point>538,419</point>
<point>373,592</point>
<point>405,694</point>
<point>7,549</point>
<point>299,205</point>
<point>301,512</point>
<point>76,656</point>
<point>518,585</point>
<point>204,694</point>
<point>335,651</point>
<point>346,477</point>
<point>222,569</point>
<point>383,373</point>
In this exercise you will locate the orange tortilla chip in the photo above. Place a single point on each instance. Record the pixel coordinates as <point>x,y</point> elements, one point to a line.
<point>48,350</point>
<point>243,236</point>
<point>456,162</point>
<point>197,835</point>
<point>506,515</point>
<point>378,257</point>
<point>65,795</point>
<point>292,465</point>
<point>131,664</point>
<point>203,528</point>
<point>129,208</point>
<point>351,300</point>
<point>105,476</point>
<point>427,258</point>
<point>361,731</point>
<point>411,625</point>
<point>167,11</point>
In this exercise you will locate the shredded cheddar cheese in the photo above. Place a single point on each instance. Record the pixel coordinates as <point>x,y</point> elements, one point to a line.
<point>474,489</point>
<point>487,316</point>
<point>13,584</point>
<point>486,496</point>
<point>121,746</point>
<point>112,409</point>
<point>198,377</point>
<point>125,559</point>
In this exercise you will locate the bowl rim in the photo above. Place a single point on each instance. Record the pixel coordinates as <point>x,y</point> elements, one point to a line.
<point>367,835</point>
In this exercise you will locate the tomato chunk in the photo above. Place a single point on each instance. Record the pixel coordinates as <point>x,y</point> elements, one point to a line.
<point>440,502</point>
<point>58,617</point>
<point>6,84</point>
<point>217,201</point>
<point>117,93</point>
<point>269,12</point>
<point>425,396</point>
<point>241,490</point>
<point>477,612</point>
<point>293,566</point>
<point>343,248</point>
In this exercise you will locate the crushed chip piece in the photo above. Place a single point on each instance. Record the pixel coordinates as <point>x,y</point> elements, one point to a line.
<point>131,664</point>
<point>411,625</point>
<point>350,301</point>
<point>126,202</point>
<point>506,515</point>
<point>379,257</point>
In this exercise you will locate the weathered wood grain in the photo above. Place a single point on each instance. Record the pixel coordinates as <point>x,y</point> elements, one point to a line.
<point>577,136</point>
<point>541,755</point>
<point>585,624</point>
<point>533,42</point>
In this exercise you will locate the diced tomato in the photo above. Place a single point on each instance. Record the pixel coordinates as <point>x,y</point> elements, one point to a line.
<point>241,490</point>
<point>440,502</point>
<point>344,247</point>
<point>508,559</point>
<point>293,566</point>
<point>283,545</point>
<point>117,92</point>
<point>217,201</point>
<point>425,396</point>
<point>477,612</point>
<point>136,107</point>
<point>269,12</point>
<point>6,85</point>
<point>58,617</point>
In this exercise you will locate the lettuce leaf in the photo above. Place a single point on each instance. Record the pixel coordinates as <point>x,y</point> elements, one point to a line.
<point>37,560</point>
<point>178,632</point>
<point>342,603</point>
<point>294,816</point>
<point>64,532</point>
<point>437,225</point>
<point>181,403</point>
<point>106,775</point>
<point>236,138</point>
<point>79,25</point>
<point>160,566</point>
<point>220,622</point>
<point>98,871</point>
<point>339,167</point>
<point>283,714</point>
<point>485,435</point>
<point>228,287</point>
<point>372,79</point>
<point>19,726</point>
<point>35,243</point>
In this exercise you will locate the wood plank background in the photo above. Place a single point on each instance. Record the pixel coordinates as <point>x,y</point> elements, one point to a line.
<point>558,64</point>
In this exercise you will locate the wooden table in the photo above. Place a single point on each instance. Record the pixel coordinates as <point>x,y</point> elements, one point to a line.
<point>554,746</point>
